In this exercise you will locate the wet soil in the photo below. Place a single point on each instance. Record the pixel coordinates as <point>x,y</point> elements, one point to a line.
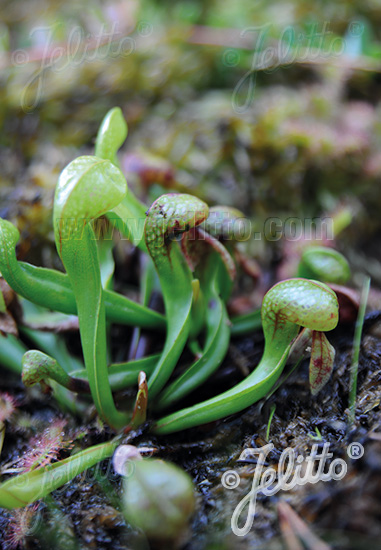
<point>345,513</point>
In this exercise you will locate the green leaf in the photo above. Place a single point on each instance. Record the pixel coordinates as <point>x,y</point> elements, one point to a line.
<point>26,488</point>
<point>322,359</point>
<point>88,188</point>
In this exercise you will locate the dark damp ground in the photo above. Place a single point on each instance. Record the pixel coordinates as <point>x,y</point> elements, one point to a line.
<point>345,513</point>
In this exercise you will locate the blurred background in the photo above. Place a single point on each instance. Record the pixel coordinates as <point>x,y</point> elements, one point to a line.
<point>271,107</point>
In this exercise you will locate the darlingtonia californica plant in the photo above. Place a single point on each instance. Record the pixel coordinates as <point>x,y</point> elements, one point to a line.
<point>192,249</point>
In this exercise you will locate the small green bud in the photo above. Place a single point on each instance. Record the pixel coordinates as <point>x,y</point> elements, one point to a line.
<point>324,264</point>
<point>159,499</point>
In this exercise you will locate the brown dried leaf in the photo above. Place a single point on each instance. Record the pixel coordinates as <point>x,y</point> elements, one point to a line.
<point>7,324</point>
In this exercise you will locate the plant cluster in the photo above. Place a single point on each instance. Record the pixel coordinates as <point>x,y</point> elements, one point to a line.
<point>191,257</point>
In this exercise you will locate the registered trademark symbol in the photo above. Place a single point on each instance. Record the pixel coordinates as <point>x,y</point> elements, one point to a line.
<point>356,28</point>
<point>145,28</point>
<point>355,450</point>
